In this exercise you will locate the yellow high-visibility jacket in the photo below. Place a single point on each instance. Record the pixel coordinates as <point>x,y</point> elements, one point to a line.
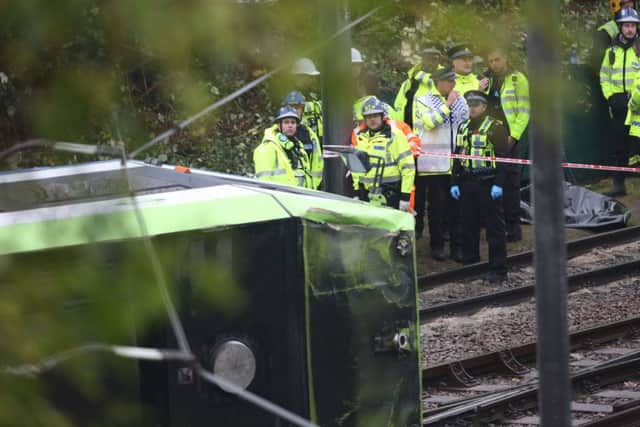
<point>272,163</point>
<point>391,144</point>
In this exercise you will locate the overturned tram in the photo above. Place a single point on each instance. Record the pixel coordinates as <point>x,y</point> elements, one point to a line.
<point>304,298</point>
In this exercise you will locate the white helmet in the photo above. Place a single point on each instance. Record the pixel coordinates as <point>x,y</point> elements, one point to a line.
<point>356,56</point>
<point>304,66</point>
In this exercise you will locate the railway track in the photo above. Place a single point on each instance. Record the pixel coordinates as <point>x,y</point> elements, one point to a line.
<point>604,392</point>
<point>574,248</point>
<point>514,295</point>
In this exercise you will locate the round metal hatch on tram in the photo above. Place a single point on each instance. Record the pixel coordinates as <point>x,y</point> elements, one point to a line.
<point>234,361</point>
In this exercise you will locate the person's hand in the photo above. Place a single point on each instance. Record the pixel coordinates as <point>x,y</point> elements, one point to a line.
<point>451,98</point>
<point>511,141</point>
<point>496,192</point>
<point>405,205</point>
<point>484,84</point>
<point>455,192</point>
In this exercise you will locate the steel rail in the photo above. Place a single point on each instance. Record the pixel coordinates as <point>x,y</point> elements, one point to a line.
<point>514,295</point>
<point>491,407</point>
<point>574,248</point>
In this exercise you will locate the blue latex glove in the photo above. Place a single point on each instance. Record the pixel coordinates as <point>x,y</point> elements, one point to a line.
<point>455,192</point>
<point>496,192</point>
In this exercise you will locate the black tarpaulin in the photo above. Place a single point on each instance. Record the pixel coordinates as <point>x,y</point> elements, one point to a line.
<point>583,208</point>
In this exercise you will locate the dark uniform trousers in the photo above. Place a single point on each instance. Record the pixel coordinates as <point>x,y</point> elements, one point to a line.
<point>511,195</point>
<point>619,132</point>
<point>433,191</point>
<point>476,202</point>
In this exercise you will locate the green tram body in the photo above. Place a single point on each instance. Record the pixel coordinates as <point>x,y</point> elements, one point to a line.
<point>319,288</point>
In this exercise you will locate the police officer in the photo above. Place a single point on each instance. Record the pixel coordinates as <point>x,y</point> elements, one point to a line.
<point>508,97</point>
<point>308,137</point>
<point>478,184</point>
<point>461,59</point>
<point>281,157</point>
<point>607,32</point>
<point>417,84</point>
<point>383,141</point>
<point>304,73</point>
<point>437,117</point>
<point>617,74</point>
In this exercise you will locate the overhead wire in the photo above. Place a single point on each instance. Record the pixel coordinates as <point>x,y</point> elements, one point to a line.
<point>184,353</point>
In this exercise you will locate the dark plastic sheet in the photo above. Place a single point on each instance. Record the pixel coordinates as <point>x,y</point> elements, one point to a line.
<point>583,208</point>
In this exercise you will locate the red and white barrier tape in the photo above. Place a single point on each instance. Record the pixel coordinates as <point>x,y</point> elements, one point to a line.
<point>529,162</point>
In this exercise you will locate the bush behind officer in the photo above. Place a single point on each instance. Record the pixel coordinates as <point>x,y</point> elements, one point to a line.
<point>478,184</point>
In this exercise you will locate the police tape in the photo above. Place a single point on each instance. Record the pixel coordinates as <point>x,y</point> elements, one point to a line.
<point>569,165</point>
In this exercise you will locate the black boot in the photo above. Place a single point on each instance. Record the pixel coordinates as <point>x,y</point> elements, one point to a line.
<point>618,188</point>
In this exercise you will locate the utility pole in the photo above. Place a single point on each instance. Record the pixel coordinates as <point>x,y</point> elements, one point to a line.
<point>548,199</point>
<point>337,88</point>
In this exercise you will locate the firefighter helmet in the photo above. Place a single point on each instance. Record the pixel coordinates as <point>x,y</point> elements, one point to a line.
<point>287,112</point>
<point>372,106</point>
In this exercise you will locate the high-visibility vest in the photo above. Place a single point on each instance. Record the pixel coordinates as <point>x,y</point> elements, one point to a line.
<point>312,146</point>
<point>312,117</point>
<point>272,162</point>
<point>465,83</point>
<point>390,144</point>
<point>476,143</point>
<point>412,138</point>
<point>611,28</point>
<point>617,76</point>
<point>424,84</point>
<point>514,99</point>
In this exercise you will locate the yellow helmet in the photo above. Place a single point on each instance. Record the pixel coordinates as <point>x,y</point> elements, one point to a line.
<point>616,5</point>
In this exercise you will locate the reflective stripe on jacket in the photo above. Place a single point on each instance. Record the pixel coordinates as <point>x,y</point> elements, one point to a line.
<point>425,85</point>
<point>436,126</point>
<point>273,164</point>
<point>390,144</point>
<point>412,138</point>
<point>312,117</point>
<point>476,144</point>
<point>514,99</point>
<point>618,77</point>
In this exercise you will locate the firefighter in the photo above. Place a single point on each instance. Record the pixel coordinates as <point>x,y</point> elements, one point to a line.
<point>417,84</point>
<point>281,157</point>
<point>617,74</point>
<point>438,115</point>
<point>304,72</point>
<point>478,184</point>
<point>508,97</point>
<point>462,60</point>
<point>308,137</point>
<point>381,140</point>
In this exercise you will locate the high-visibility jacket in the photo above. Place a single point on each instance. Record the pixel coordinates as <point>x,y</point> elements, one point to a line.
<point>357,110</point>
<point>611,28</point>
<point>412,138</point>
<point>489,138</point>
<point>312,146</point>
<point>417,84</point>
<point>436,125</point>
<point>312,116</point>
<point>465,83</point>
<point>617,76</point>
<point>514,99</point>
<point>389,143</point>
<point>633,113</point>
<point>476,144</point>
<point>281,159</point>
